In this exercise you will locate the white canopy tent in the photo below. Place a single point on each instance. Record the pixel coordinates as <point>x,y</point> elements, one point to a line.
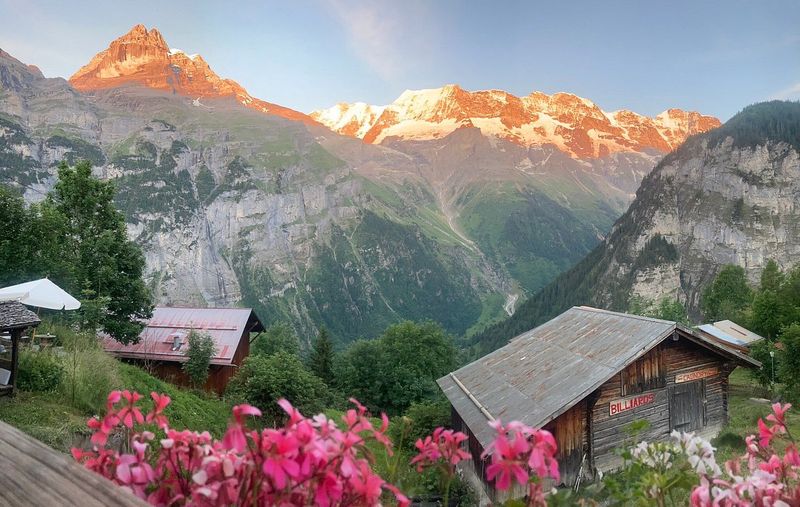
<point>40,293</point>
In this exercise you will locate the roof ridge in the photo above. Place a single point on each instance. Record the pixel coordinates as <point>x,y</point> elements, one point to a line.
<point>623,314</point>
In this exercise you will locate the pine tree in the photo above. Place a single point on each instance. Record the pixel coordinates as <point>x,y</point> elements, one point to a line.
<point>320,362</point>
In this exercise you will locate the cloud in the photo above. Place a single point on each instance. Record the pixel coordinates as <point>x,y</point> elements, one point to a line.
<point>384,34</point>
<point>790,93</point>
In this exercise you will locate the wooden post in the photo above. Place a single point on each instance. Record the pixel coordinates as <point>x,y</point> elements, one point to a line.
<point>15,334</point>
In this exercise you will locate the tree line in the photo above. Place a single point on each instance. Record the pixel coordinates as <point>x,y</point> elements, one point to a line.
<point>78,239</point>
<point>390,373</point>
<point>770,308</point>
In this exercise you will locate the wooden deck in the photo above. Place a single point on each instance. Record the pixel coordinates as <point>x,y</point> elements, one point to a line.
<point>32,474</point>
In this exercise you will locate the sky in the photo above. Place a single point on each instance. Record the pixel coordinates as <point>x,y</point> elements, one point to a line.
<point>712,57</point>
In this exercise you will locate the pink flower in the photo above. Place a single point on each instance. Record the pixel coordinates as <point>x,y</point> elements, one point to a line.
<point>279,463</point>
<point>508,462</point>
<point>542,457</point>
<point>777,416</point>
<point>130,412</point>
<point>235,438</point>
<point>444,445</point>
<point>160,402</point>
<point>765,434</point>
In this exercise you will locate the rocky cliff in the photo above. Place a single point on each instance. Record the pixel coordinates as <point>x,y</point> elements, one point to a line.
<point>238,201</point>
<point>729,196</point>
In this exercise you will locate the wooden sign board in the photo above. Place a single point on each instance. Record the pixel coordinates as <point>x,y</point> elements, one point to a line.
<point>619,406</point>
<point>695,375</point>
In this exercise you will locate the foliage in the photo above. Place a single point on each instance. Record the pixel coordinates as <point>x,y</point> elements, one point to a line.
<point>320,361</point>
<point>200,352</point>
<point>789,364</point>
<point>758,124</point>
<point>30,243</point>
<point>101,256</point>
<point>303,462</point>
<point>660,473</point>
<point>728,295</point>
<point>419,420</point>
<point>93,307</point>
<point>399,368</point>
<point>39,371</point>
<point>443,451</point>
<point>88,371</point>
<point>278,337</point>
<point>765,475</point>
<point>264,379</point>
<point>667,309</point>
<point>766,375</point>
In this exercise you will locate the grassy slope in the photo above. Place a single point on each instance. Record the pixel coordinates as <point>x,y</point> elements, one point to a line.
<point>50,418</point>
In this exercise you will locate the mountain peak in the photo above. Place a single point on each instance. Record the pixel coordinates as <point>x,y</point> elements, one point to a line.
<point>574,124</point>
<point>142,57</point>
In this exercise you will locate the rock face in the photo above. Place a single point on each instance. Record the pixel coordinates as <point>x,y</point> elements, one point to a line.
<point>729,196</point>
<point>238,201</point>
<point>575,125</point>
<point>142,57</point>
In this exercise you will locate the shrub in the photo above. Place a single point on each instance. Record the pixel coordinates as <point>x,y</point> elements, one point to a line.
<point>39,371</point>
<point>201,350</point>
<point>420,420</point>
<point>263,380</point>
<point>399,368</point>
<point>276,338</point>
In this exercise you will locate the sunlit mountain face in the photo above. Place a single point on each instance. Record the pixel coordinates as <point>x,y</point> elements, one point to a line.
<point>575,125</point>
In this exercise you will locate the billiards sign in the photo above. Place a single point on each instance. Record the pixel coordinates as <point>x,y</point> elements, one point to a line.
<point>619,406</point>
<point>695,375</point>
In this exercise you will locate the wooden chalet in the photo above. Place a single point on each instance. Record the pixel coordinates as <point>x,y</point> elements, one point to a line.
<point>163,342</point>
<point>585,376</point>
<point>15,319</point>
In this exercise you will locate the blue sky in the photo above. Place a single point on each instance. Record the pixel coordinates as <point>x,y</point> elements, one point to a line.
<point>714,57</point>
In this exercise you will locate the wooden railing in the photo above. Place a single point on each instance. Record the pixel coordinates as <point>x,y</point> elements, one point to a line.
<point>32,474</point>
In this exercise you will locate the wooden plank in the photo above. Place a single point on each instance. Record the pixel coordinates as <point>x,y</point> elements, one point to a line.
<point>32,474</point>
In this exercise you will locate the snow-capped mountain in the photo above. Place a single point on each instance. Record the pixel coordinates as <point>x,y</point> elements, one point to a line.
<point>143,57</point>
<point>575,125</point>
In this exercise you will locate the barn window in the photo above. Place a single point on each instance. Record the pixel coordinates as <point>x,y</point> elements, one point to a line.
<point>645,374</point>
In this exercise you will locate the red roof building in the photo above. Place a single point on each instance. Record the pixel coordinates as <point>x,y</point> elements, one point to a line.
<point>163,342</point>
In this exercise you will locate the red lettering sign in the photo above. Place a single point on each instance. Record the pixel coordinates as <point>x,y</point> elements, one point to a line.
<point>695,375</point>
<point>619,406</point>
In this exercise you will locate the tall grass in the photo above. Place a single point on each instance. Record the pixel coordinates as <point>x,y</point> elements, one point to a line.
<point>89,373</point>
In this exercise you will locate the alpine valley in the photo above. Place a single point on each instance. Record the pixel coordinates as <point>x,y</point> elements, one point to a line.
<point>728,196</point>
<point>446,204</point>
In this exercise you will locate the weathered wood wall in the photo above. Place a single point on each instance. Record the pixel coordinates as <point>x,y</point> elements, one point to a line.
<point>679,357</point>
<point>571,434</point>
<point>32,474</point>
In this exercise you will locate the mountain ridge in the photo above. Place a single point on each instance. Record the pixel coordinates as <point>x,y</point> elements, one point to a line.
<point>143,57</point>
<point>574,124</point>
<point>727,196</point>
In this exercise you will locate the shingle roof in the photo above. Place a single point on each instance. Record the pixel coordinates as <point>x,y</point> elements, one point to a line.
<point>542,373</point>
<point>226,326</point>
<point>15,315</point>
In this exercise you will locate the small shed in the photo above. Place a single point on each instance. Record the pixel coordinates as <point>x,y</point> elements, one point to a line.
<point>586,375</point>
<point>15,319</point>
<point>163,342</point>
<point>731,334</point>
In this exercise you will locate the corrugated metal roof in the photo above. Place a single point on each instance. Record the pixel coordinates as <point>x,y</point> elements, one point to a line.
<point>719,334</point>
<point>542,373</point>
<point>226,327</point>
<point>736,331</point>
